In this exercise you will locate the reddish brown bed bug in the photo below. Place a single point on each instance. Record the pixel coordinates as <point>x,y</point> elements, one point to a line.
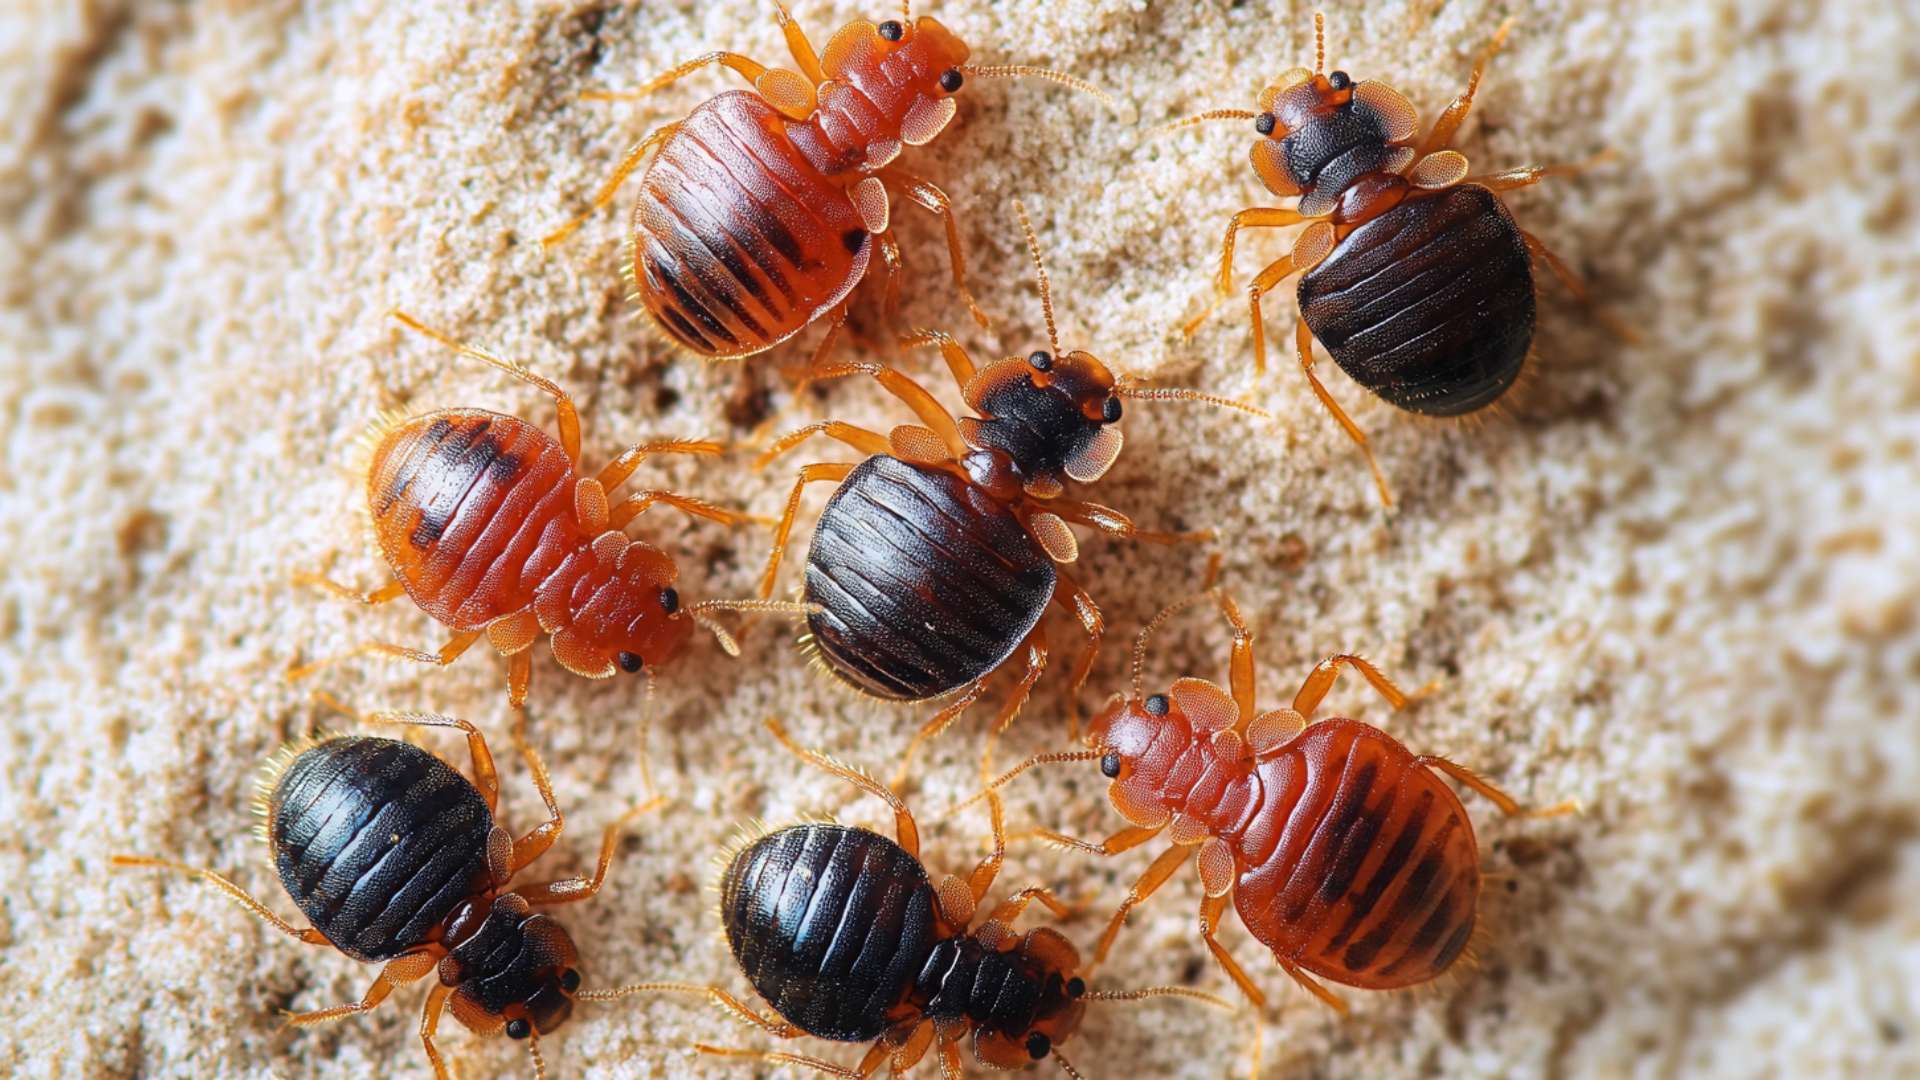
<point>1344,853</point>
<point>936,557</point>
<point>761,210</point>
<point>1414,274</point>
<point>396,859</point>
<point>488,527</point>
<point>843,933</point>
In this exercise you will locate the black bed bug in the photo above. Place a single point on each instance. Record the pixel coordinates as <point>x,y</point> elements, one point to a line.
<point>395,858</point>
<point>1413,274</point>
<point>845,935</point>
<point>936,557</point>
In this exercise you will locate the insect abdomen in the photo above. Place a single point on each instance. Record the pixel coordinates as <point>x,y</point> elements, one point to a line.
<point>471,510</point>
<point>376,841</point>
<point>738,240</point>
<point>1430,305</point>
<point>1361,866</point>
<point>925,582</point>
<point>831,925</point>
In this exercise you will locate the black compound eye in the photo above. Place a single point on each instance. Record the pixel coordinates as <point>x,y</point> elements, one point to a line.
<point>1110,768</point>
<point>892,30</point>
<point>1111,412</point>
<point>1156,704</point>
<point>1339,80</point>
<point>1076,987</point>
<point>630,662</point>
<point>518,1029</point>
<point>570,980</point>
<point>951,79</point>
<point>1264,123</point>
<point>1038,1045</point>
<point>1041,361</point>
<point>669,600</point>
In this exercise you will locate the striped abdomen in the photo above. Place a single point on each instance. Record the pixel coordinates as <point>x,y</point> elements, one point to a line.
<point>925,582</point>
<point>739,240</point>
<point>472,510</point>
<point>831,924</point>
<point>1360,865</point>
<point>1430,305</point>
<point>377,841</point>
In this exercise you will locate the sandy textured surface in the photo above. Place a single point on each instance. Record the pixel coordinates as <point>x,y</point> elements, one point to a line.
<point>1679,584</point>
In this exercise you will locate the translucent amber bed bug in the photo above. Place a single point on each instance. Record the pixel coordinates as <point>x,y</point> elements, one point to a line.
<point>936,557</point>
<point>489,528</point>
<point>761,209</point>
<point>1413,273</point>
<point>396,859</point>
<point>845,935</point>
<point>1344,853</point>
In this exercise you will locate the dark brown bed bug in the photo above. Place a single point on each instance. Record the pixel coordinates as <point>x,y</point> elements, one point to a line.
<point>1344,853</point>
<point>1413,273</point>
<point>396,859</point>
<point>845,935</point>
<point>936,557</point>
<point>761,209</point>
<point>489,528</point>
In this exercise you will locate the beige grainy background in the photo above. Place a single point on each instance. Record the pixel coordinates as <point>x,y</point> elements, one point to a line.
<point>1679,584</point>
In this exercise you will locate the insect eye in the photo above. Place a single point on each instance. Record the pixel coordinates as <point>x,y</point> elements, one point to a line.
<point>1041,361</point>
<point>669,600</point>
<point>1076,987</point>
<point>1264,123</point>
<point>630,662</point>
<point>1110,766</point>
<point>1339,80</point>
<point>1038,1045</point>
<point>518,1029</point>
<point>1112,410</point>
<point>951,79</point>
<point>1156,704</point>
<point>892,30</point>
<point>570,980</point>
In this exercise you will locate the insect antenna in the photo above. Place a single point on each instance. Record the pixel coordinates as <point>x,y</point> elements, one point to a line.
<point>1168,612</point>
<point>1128,388</point>
<point>698,612</point>
<point>1040,273</point>
<point>1161,991</point>
<point>1066,1065</point>
<point>1319,43</point>
<point>1201,118</point>
<point>998,782</point>
<point>533,1051</point>
<point>1004,71</point>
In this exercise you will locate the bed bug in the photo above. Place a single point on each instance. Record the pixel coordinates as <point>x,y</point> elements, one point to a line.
<point>761,209</point>
<point>935,558</point>
<point>844,934</point>
<point>396,859</point>
<point>489,528</point>
<point>1344,853</point>
<point>1414,275</point>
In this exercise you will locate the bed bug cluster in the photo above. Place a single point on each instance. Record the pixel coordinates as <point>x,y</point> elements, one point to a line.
<point>1349,858</point>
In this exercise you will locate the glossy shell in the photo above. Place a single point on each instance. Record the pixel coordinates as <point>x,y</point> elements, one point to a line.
<point>739,241</point>
<point>831,925</point>
<point>1361,865</point>
<point>472,510</point>
<point>1430,305</point>
<point>926,582</point>
<point>376,841</point>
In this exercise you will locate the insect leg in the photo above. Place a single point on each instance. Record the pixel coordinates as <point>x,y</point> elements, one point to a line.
<point>392,590</point>
<point>398,972</point>
<point>956,357</point>
<point>1508,804</point>
<point>1068,594</point>
<point>635,157</point>
<point>448,653</point>
<point>1158,874</point>
<point>568,890</point>
<point>430,1023</point>
<point>1456,110</point>
<point>1321,678</point>
<point>485,776</point>
<point>834,471</point>
<point>908,832</point>
<point>1303,347</point>
<point>568,419</point>
<point>1254,217</point>
<point>935,201</point>
<point>932,728</point>
<point>637,504</point>
<point>234,892</point>
<point>1578,288</point>
<point>774,1057</point>
<point>797,44</point>
<point>1212,908</point>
